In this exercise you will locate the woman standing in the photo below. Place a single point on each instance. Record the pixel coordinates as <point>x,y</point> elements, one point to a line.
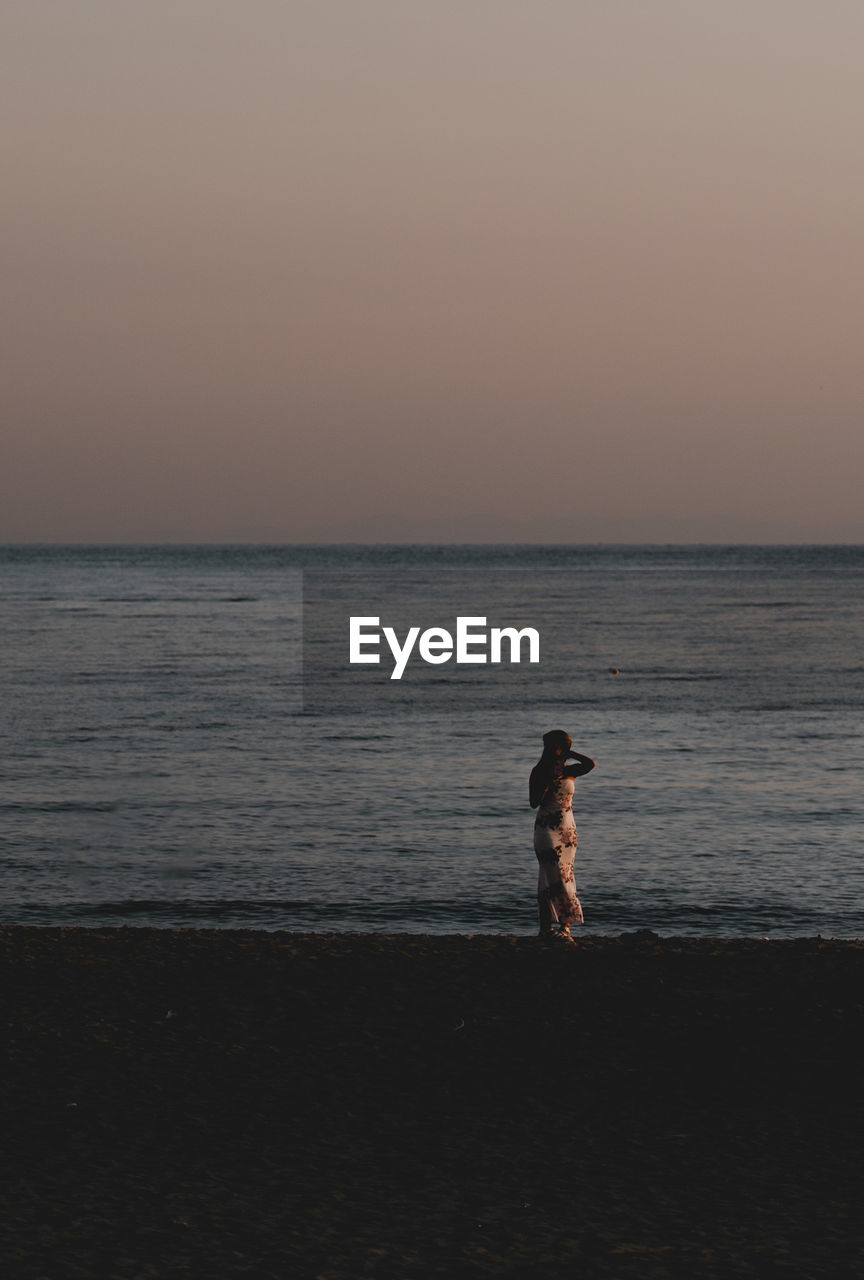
<point>551,794</point>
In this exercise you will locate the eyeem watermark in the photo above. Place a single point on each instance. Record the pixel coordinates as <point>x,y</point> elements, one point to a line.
<point>472,643</point>
<point>396,640</point>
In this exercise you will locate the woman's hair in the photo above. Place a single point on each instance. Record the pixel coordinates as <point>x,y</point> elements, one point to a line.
<point>544,770</point>
<point>557,738</point>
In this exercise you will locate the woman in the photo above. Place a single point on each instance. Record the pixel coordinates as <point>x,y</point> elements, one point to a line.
<point>550,792</point>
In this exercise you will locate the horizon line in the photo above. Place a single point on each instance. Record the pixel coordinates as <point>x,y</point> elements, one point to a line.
<point>95,545</point>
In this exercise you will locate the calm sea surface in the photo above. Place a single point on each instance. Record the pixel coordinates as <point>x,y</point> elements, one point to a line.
<point>165,762</point>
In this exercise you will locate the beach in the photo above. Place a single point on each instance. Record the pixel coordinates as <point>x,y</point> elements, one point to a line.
<point>272,1104</point>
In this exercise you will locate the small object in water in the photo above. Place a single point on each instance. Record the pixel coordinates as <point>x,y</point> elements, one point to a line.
<point>614,671</point>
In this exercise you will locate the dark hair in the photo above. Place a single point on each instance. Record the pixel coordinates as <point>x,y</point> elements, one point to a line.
<point>547,767</point>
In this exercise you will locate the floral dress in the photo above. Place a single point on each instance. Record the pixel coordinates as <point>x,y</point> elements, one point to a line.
<point>555,846</point>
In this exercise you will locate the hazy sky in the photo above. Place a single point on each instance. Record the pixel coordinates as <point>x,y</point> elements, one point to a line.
<point>454,269</point>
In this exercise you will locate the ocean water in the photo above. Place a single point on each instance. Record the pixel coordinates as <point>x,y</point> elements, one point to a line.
<point>184,744</point>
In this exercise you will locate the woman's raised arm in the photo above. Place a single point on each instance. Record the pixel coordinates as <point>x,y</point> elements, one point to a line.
<point>584,764</point>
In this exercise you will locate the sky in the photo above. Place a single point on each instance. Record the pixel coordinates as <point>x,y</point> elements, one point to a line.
<point>470,270</point>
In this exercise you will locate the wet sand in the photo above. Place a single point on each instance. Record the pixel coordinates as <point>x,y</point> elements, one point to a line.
<point>225,1103</point>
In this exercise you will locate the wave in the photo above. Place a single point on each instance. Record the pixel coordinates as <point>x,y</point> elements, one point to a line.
<point>58,806</point>
<point>438,916</point>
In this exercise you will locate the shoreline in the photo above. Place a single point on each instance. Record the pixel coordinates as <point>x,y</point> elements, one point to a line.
<point>12,933</point>
<point>241,1102</point>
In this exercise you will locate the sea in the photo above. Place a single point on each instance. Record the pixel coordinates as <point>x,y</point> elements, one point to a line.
<point>186,744</point>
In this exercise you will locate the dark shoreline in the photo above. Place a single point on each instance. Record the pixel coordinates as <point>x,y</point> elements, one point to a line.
<point>225,1103</point>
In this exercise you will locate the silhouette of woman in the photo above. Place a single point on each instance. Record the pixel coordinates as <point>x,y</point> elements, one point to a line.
<point>550,791</point>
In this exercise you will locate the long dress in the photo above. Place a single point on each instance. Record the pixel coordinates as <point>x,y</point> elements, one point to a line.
<point>555,847</point>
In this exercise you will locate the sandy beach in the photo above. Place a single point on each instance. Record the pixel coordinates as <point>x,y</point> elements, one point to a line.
<point>221,1103</point>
